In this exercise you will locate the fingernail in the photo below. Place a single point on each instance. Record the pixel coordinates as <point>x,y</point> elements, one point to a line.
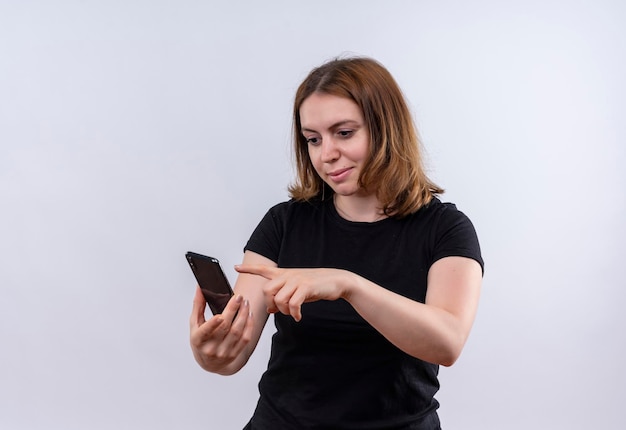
<point>239,299</point>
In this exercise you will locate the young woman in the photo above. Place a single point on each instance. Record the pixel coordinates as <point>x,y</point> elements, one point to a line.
<point>374,282</point>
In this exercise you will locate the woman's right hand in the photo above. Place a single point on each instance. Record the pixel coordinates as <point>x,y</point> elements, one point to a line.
<point>220,341</point>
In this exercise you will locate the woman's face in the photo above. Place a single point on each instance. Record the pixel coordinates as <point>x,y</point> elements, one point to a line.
<point>338,141</point>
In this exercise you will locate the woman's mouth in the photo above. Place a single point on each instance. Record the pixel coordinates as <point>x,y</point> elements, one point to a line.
<point>339,174</point>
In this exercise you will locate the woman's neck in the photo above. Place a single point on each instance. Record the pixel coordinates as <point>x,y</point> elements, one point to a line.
<point>358,209</point>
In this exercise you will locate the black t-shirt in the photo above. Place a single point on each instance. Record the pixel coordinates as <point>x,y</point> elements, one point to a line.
<point>332,370</point>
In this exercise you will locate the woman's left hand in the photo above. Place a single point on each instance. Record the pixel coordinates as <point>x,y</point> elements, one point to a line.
<point>287,289</point>
<point>434,331</point>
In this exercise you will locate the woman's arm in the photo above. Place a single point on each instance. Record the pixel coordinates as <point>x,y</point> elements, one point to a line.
<point>435,331</point>
<point>225,342</point>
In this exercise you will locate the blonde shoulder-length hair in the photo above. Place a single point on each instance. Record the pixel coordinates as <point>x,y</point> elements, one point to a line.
<point>394,168</point>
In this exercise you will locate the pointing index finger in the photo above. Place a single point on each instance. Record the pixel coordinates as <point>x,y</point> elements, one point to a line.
<point>257,269</point>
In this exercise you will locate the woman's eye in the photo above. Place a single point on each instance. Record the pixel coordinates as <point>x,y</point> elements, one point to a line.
<point>345,133</point>
<point>312,140</point>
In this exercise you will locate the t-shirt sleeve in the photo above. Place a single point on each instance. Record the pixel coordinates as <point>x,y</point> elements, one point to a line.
<point>267,236</point>
<point>455,236</point>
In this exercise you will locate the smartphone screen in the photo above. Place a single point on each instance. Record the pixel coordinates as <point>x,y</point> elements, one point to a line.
<point>212,281</point>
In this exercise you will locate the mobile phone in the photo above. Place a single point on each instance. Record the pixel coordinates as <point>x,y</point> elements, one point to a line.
<point>212,281</point>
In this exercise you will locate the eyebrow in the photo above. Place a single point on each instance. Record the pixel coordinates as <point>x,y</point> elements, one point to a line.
<point>335,125</point>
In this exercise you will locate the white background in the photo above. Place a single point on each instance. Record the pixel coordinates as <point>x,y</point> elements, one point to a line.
<point>133,131</point>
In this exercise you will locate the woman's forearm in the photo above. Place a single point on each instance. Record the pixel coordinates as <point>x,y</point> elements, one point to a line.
<point>432,332</point>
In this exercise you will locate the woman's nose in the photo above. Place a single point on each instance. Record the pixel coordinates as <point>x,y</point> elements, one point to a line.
<point>330,152</point>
